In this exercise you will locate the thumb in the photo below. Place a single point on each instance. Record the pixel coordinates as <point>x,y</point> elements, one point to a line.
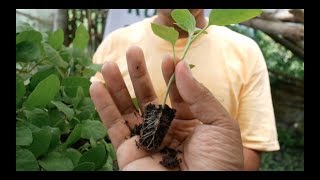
<point>203,105</point>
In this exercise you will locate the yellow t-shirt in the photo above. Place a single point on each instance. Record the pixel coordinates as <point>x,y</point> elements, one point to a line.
<point>229,64</point>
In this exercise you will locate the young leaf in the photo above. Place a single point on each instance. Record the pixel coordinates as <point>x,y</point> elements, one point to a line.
<point>27,51</point>
<point>71,85</point>
<point>64,108</point>
<point>81,37</point>
<point>40,143</point>
<point>54,57</point>
<point>94,129</point>
<point>37,117</point>
<point>166,33</point>
<point>86,166</point>
<point>55,137</point>
<point>135,103</point>
<point>56,161</point>
<point>44,92</point>
<point>74,136</point>
<point>98,155</point>
<point>40,75</point>
<point>23,136</point>
<point>184,19</point>
<point>25,161</point>
<point>56,39</point>
<point>191,66</point>
<point>197,30</point>
<point>223,17</point>
<point>74,155</point>
<point>31,36</point>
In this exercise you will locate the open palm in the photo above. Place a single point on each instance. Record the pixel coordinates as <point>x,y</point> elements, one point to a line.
<point>205,134</point>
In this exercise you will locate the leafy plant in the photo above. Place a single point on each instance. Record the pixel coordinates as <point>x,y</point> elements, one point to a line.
<point>57,127</point>
<point>186,21</point>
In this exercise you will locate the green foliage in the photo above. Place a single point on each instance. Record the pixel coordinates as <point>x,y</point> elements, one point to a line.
<point>223,17</point>
<point>57,127</point>
<point>184,19</point>
<point>166,33</point>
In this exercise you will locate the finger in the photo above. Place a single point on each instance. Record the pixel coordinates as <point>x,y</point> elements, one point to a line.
<point>182,108</point>
<point>140,78</point>
<point>118,131</point>
<point>202,103</point>
<point>120,94</point>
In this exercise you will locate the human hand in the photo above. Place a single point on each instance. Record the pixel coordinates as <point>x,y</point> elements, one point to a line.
<point>213,144</point>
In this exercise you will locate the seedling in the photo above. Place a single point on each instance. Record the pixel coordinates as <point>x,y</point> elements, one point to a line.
<point>157,118</point>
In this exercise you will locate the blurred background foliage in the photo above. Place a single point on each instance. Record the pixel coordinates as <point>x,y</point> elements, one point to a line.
<point>282,47</point>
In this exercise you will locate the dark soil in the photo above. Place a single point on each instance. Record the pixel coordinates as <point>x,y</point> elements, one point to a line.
<point>169,159</point>
<point>156,122</point>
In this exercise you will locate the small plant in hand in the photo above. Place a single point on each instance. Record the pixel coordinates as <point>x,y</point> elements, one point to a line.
<point>157,118</point>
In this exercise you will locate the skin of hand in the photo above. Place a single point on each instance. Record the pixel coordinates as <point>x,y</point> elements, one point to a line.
<point>208,137</point>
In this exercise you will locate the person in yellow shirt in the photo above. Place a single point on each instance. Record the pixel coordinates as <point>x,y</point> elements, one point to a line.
<point>230,65</point>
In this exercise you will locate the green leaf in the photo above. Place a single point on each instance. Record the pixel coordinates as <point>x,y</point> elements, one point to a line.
<point>56,161</point>
<point>54,57</point>
<point>223,17</point>
<point>81,37</point>
<point>71,85</point>
<point>25,161</point>
<point>111,151</point>
<point>98,155</point>
<point>86,104</point>
<point>44,92</point>
<point>86,166</point>
<point>95,67</point>
<point>20,89</point>
<point>56,39</point>
<point>74,155</point>
<point>74,136</point>
<point>166,33</point>
<point>78,98</point>
<point>197,30</point>
<point>40,143</point>
<point>23,136</point>
<point>31,36</point>
<point>55,137</point>
<point>94,129</point>
<point>184,19</point>
<point>64,108</point>
<point>191,66</point>
<point>27,51</point>
<point>37,117</point>
<point>40,75</point>
<point>135,103</point>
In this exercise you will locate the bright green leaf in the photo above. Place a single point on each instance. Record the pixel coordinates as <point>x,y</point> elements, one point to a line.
<point>64,108</point>
<point>25,161</point>
<point>94,129</point>
<point>56,39</point>
<point>32,36</point>
<point>41,142</point>
<point>44,92</point>
<point>23,136</point>
<point>81,37</point>
<point>97,155</point>
<point>27,51</point>
<point>86,166</point>
<point>74,155</point>
<point>54,57</point>
<point>223,17</point>
<point>74,136</point>
<point>56,161</point>
<point>184,19</point>
<point>37,117</point>
<point>135,103</point>
<point>166,33</point>
<point>71,85</point>
<point>20,89</point>
<point>197,30</point>
<point>40,75</point>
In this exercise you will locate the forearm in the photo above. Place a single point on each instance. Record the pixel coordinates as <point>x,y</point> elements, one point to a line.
<point>251,159</point>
